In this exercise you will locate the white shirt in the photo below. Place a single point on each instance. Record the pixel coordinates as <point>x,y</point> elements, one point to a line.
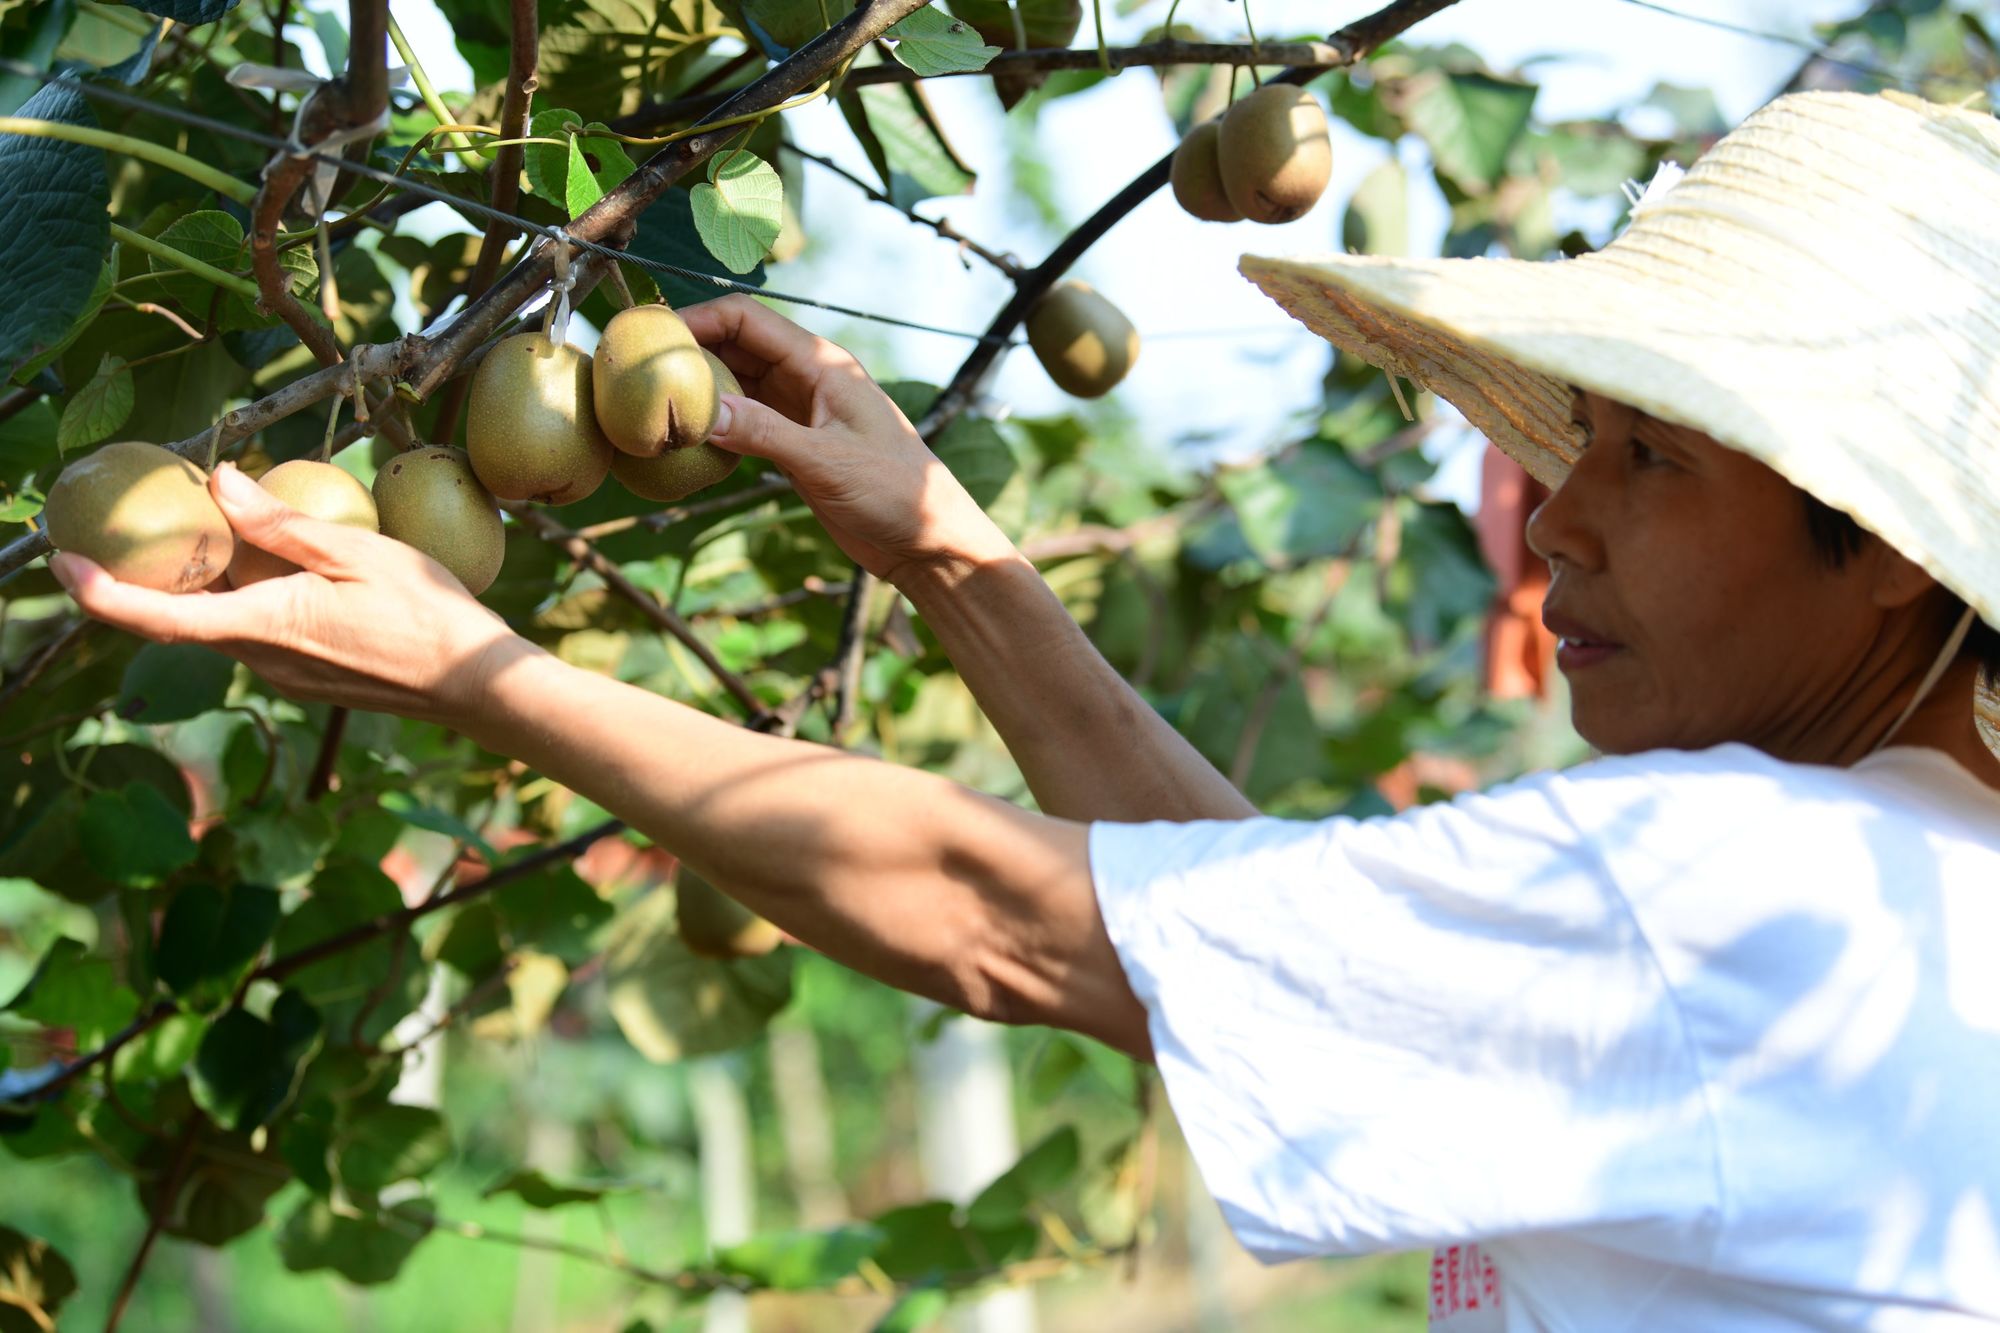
<point>1671,1041</point>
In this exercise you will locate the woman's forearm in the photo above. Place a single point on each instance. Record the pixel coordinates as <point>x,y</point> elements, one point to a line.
<point>1088,745</point>
<point>905,876</point>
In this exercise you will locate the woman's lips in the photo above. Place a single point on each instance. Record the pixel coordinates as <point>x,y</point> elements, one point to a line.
<point>1578,646</point>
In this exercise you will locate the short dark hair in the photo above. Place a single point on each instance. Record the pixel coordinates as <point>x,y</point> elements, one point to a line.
<point>1837,537</point>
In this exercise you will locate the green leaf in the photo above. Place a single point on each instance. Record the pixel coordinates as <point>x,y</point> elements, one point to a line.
<point>418,815</point>
<point>217,238</point>
<point>53,226</point>
<point>546,164</point>
<point>23,506</point>
<point>1378,213</point>
<point>538,1191</point>
<point>607,57</point>
<point>580,188</point>
<point>671,1004</point>
<point>971,446</point>
<point>190,12</point>
<point>389,1143</point>
<point>134,836</point>
<point>783,26</point>
<point>97,409</point>
<point>1043,1169</point>
<point>172,682</point>
<point>903,139</point>
<point>931,42</point>
<point>667,234</point>
<point>278,845</point>
<point>552,911</point>
<point>47,26</point>
<point>1694,110</point>
<point>377,982</point>
<point>800,1260</point>
<point>161,1053</point>
<point>364,1251</point>
<point>211,937</point>
<point>34,1282</point>
<point>1310,503</point>
<point>226,1179</point>
<point>246,1067</point>
<point>739,210</point>
<point>1471,122</point>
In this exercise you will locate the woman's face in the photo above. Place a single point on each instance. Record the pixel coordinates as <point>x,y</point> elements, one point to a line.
<point>1692,605</point>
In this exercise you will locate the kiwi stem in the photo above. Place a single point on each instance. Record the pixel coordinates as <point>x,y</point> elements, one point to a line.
<point>1251,24</point>
<point>187,263</point>
<point>1103,51</point>
<point>425,89</point>
<point>158,154</point>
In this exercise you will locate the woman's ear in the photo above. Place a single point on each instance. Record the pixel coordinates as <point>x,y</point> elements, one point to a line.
<point>1895,581</point>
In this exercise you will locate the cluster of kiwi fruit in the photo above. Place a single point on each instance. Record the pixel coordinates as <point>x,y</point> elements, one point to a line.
<point>1267,159</point>
<point>542,424</point>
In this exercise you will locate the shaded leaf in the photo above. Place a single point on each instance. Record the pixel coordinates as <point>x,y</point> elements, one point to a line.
<point>225,1183</point>
<point>671,1004</point>
<point>133,836</point>
<point>35,1280</point>
<point>191,12</point>
<point>1309,503</point>
<point>800,1260</point>
<point>389,1143</point>
<point>53,226</point>
<point>211,936</point>
<point>538,1191</point>
<point>365,1252</point>
<point>1043,1169</point>
<point>172,682</point>
<point>98,408</point>
<point>246,1067</point>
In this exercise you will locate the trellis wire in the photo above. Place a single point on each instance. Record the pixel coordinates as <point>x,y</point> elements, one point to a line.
<point>194,120</point>
<point>1805,44</point>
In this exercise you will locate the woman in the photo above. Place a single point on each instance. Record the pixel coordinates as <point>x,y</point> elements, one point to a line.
<point>1701,1035</point>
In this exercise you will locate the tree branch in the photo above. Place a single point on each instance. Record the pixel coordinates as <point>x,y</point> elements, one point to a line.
<point>663,616</point>
<point>852,653</point>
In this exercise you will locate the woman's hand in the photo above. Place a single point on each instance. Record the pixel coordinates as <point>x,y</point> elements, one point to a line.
<point>369,622</point>
<point>852,455</point>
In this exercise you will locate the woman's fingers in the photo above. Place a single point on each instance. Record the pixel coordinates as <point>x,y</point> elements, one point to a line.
<point>746,426</point>
<point>151,614</point>
<point>263,520</point>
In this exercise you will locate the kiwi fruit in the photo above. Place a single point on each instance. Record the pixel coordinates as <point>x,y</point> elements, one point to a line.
<point>530,425</point>
<point>651,383</point>
<point>142,512</point>
<point>1274,152</point>
<point>714,925</point>
<point>1197,176</point>
<point>430,499</point>
<point>1083,341</point>
<point>679,473</point>
<point>319,489</point>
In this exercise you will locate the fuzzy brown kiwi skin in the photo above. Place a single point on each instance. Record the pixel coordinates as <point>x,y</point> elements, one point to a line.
<point>651,383</point>
<point>431,499</point>
<point>674,474</point>
<point>1275,153</point>
<point>530,423</point>
<point>142,512</point>
<point>1083,341</point>
<point>319,489</point>
<point>1197,176</point>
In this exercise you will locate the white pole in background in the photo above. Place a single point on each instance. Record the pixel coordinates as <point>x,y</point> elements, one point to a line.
<point>728,1177</point>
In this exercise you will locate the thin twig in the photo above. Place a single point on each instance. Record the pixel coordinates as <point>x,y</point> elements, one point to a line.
<point>666,518</point>
<point>162,1205</point>
<point>1005,263</point>
<point>665,617</point>
<point>71,635</point>
<point>321,778</point>
<point>852,652</point>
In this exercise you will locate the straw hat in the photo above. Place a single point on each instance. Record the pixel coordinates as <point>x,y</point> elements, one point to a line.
<point>1821,291</point>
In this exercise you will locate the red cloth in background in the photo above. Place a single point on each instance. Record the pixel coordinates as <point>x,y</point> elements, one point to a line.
<point>1520,651</point>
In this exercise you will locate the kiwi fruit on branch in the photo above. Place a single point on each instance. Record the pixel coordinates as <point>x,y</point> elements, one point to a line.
<point>1084,342</point>
<point>651,383</point>
<point>714,925</point>
<point>1197,175</point>
<point>675,474</point>
<point>431,499</point>
<point>1274,153</point>
<point>142,512</point>
<point>530,424</point>
<point>319,489</point>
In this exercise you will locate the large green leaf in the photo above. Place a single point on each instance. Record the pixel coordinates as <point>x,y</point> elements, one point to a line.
<point>375,983</point>
<point>671,1004</point>
<point>604,58</point>
<point>133,836</point>
<point>800,1260</point>
<point>667,234</point>
<point>904,141</point>
<point>210,937</point>
<point>53,226</point>
<point>1043,1169</point>
<point>98,408</point>
<point>172,682</point>
<point>1309,503</point>
<point>362,1250</point>
<point>739,210</point>
<point>247,1066</point>
<point>552,911</point>
<point>1471,122</point>
<point>932,42</point>
<point>71,989</point>
<point>385,1144</point>
<point>225,1180</point>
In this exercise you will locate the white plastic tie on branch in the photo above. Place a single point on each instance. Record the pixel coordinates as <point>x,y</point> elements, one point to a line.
<point>562,284</point>
<point>319,190</point>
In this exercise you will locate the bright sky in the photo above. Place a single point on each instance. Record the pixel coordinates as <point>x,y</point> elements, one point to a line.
<point>1219,360</point>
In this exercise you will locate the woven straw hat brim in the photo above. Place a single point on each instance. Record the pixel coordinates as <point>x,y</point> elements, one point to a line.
<point>1822,292</point>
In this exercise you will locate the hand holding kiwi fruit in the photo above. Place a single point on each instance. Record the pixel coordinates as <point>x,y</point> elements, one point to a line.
<point>319,489</point>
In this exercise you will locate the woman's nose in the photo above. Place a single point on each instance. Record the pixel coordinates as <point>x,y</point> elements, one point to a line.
<point>1563,527</point>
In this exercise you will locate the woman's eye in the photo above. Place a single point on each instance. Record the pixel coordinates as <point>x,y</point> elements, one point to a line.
<point>1643,454</point>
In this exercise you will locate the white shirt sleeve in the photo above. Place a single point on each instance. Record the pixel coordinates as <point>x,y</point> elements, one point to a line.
<point>1415,1031</point>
